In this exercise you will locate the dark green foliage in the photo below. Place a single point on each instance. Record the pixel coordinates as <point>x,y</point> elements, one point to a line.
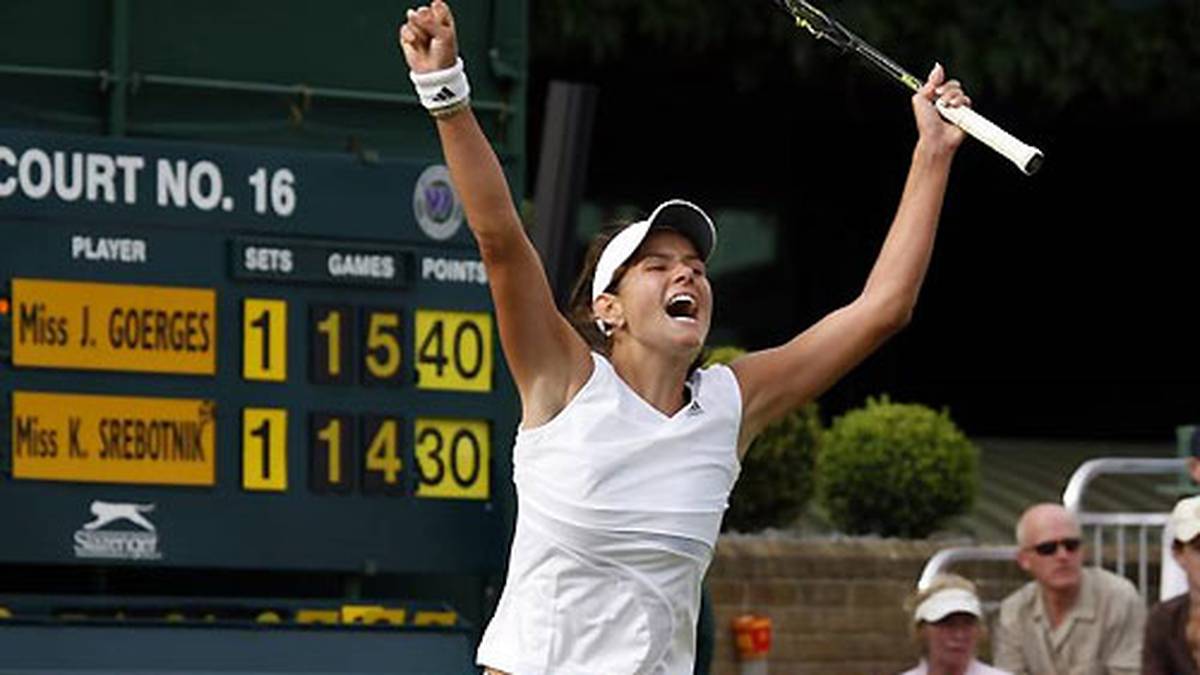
<point>1050,52</point>
<point>1044,54</point>
<point>896,470</point>
<point>777,473</point>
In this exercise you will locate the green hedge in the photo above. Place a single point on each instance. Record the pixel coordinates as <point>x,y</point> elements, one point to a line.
<point>896,470</point>
<point>776,482</point>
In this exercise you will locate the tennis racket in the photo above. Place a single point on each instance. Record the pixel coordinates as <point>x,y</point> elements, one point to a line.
<point>1026,157</point>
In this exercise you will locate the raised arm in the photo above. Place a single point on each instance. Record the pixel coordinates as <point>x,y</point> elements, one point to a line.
<point>548,360</point>
<point>776,381</point>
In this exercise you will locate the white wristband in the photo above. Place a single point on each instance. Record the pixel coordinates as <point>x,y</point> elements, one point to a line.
<point>441,89</point>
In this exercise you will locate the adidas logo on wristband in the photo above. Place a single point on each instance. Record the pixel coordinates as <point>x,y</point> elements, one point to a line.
<point>442,91</point>
<point>445,95</point>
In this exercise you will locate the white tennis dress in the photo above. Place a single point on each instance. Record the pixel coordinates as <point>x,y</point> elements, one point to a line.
<point>618,510</point>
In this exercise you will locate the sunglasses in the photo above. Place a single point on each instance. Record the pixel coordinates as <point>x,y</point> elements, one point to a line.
<point>1049,548</point>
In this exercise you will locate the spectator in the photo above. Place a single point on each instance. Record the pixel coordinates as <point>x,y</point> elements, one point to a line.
<point>1068,619</point>
<point>946,625</point>
<point>1194,458</point>
<point>1173,581</point>
<point>1172,644</point>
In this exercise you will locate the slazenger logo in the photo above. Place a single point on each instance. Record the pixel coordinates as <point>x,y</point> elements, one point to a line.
<point>137,540</point>
<point>437,208</point>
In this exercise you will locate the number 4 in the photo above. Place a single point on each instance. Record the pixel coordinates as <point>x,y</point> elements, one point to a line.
<point>383,468</point>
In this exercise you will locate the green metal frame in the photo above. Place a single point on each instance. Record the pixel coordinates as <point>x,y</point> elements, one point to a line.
<point>506,59</point>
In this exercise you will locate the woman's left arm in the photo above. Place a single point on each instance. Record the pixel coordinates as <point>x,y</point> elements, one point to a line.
<point>776,381</point>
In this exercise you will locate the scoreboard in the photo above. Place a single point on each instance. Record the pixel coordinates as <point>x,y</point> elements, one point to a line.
<point>225,357</point>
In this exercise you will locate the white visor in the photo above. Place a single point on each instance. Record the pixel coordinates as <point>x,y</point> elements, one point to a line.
<point>684,217</point>
<point>946,602</point>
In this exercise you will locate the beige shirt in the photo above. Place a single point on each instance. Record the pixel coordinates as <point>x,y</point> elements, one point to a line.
<point>1101,634</point>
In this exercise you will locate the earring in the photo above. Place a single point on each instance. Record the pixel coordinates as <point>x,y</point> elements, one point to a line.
<point>605,329</point>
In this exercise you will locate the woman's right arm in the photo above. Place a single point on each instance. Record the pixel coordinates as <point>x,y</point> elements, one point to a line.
<point>549,361</point>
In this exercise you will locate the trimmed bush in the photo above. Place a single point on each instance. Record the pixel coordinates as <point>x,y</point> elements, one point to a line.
<point>776,482</point>
<point>895,469</point>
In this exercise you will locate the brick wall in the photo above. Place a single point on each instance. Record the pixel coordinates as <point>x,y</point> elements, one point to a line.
<point>835,606</point>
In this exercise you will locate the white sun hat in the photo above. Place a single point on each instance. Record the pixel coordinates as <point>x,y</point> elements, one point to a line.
<point>679,215</point>
<point>946,602</point>
<point>1185,519</point>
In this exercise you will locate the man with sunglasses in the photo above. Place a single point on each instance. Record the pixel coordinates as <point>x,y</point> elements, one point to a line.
<point>1069,619</point>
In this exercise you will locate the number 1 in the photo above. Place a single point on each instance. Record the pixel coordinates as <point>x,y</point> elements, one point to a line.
<point>263,432</point>
<point>263,323</point>
<point>331,327</point>
<point>264,449</point>
<point>332,435</point>
<point>264,339</point>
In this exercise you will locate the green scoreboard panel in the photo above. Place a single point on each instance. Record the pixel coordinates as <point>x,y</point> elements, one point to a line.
<point>217,357</point>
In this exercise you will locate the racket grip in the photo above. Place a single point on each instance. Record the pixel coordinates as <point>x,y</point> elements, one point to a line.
<point>1027,158</point>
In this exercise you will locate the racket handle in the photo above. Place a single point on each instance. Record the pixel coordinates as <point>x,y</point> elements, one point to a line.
<point>1027,158</point>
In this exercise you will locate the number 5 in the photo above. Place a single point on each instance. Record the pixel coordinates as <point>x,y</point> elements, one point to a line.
<point>382,357</point>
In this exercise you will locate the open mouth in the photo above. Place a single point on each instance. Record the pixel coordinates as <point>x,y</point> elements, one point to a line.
<point>682,307</point>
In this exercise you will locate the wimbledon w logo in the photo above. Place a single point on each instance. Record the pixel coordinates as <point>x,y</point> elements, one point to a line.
<point>439,201</point>
<point>435,205</point>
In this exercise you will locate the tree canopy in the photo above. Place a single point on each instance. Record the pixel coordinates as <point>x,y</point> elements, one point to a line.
<point>1044,53</point>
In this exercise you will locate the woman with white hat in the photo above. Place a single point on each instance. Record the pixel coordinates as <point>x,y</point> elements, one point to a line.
<point>947,622</point>
<point>626,452</point>
<point>1172,640</point>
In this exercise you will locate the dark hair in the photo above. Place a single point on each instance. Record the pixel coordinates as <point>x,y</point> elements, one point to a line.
<point>579,307</point>
<point>1178,546</point>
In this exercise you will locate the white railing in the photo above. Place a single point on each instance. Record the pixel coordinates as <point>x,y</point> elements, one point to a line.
<point>1091,469</point>
<point>1120,523</point>
<point>949,556</point>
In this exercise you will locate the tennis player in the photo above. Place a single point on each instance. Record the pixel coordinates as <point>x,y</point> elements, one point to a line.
<point>626,453</point>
